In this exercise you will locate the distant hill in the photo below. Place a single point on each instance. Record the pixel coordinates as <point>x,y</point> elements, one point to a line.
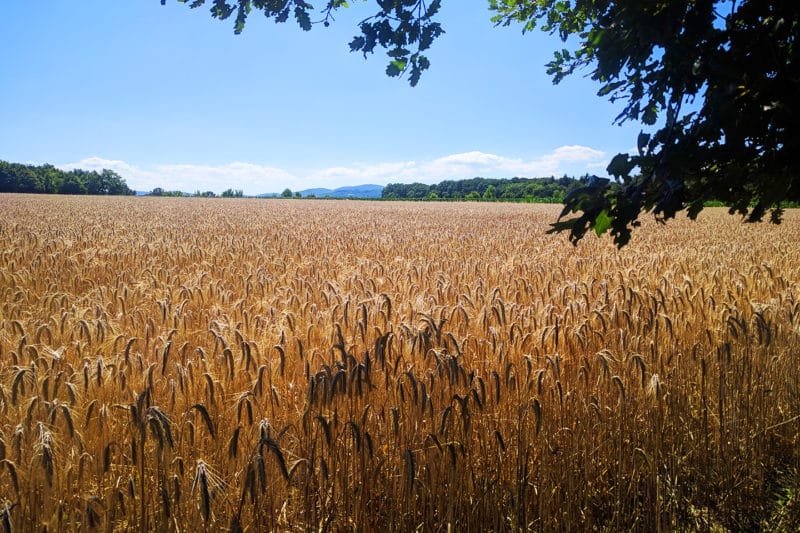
<point>352,191</point>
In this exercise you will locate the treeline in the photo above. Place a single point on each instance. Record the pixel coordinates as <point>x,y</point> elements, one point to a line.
<point>513,189</point>
<point>47,179</point>
<point>228,193</point>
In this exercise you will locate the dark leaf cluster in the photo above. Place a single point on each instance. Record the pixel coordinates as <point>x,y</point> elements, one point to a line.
<point>278,10</point>
<point>404,28</point>
<point>716,82</point>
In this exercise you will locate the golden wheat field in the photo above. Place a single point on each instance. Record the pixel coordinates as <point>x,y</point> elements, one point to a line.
<point>178,364</point>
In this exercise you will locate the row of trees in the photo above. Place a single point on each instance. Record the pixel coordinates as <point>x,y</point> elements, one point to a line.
<point>538,189</point>
<point>514,189</point>
<point>47,179</point>
<point>227,193</point>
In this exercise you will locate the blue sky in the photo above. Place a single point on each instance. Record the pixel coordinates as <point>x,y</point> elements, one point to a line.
<point>169,97</point>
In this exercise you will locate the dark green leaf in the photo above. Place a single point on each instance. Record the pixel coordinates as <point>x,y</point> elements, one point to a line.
<point>642,141</point>
<point>395,68</point>
<point>302,17</point>
<point>620,166</point>
<point>602,222</point>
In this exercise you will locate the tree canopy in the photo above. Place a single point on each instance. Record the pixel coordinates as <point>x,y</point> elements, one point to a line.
<point>713,82</point>
<point>16,177</point>
<point>514,189</point>
<point>716,82</point>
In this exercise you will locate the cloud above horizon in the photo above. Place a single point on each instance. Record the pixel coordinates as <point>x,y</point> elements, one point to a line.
<point>256,179</point>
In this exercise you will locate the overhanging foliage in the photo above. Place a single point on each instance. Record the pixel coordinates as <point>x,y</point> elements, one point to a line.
<point>714,83</point>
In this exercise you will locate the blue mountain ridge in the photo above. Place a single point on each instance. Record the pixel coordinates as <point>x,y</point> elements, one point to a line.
<point>350,191</point>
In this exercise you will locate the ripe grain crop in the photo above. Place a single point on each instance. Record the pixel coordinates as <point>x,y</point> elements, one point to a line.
<point>257,365</point>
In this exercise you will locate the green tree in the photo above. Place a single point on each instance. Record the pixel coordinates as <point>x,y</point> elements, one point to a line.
<point>114,184</point>
<point>15,177</point>
<point>232,193</point>
<point>52,178</point>
<point>418,190</point>
<point>287,193</point>
<point>73,184</point>
<point>94,183</point>
<point>490,194</point>
<point>714,83</point>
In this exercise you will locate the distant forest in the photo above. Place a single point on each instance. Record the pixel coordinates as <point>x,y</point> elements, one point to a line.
<point>47,179</point>
<point>515,189</point>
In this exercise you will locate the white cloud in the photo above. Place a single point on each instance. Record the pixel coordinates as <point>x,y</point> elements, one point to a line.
<point>574,160</point>
<point>135,177</point>
<point>246,176</point>
<point>255,179</point>
<point>470,164</point>
<point>98,163</point>
<point>251,178</point>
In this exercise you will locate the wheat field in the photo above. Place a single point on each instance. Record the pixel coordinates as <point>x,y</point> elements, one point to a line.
<point>176,364</point>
